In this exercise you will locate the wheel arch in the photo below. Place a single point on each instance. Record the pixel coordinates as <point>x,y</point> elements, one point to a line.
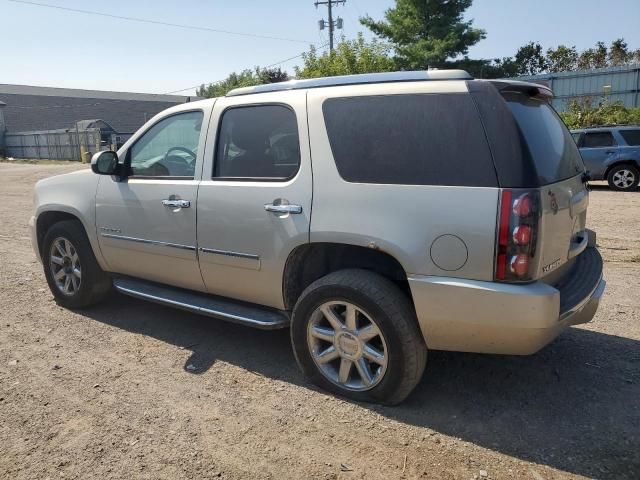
<point>47,217</point>
<point>627,161</point>
<point>309,262</point>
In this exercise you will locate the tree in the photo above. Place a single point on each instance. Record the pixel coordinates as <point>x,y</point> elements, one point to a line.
<point>584,113</point>
<point>349,57</point>
<point>593,57</point>
<point>562,59</point>
<point>619,53</point>
<point>530,60</point>
<point>246,78</point>
<point>426,33</point>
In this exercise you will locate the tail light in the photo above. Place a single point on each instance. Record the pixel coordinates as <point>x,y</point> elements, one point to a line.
<point>518,222</point>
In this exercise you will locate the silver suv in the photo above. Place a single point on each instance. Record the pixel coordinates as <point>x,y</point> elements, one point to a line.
<point>376,215</point>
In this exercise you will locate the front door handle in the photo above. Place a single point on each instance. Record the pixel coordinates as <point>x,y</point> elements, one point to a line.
<point>176,203</point>
<point>295,209</point>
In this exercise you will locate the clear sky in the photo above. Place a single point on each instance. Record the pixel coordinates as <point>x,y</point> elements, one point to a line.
<point>45,46</point>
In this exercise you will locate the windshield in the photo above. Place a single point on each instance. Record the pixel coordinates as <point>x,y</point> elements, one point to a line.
<point>550,145</point>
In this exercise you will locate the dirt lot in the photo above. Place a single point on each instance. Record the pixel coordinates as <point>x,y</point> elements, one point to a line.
<point>136,390</point>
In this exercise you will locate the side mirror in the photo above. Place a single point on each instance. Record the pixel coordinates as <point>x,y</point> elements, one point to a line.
<point>105,163</point>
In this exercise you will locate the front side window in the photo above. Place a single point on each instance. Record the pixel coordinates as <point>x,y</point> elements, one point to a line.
<point>257,142</point>
<point>632,137</point>
<point>169,148</point>
<point>598,140</point>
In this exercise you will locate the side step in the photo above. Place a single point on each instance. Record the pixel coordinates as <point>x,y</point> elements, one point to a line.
<point>234,311</point>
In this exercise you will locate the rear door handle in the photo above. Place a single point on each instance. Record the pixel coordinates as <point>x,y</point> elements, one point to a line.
<point>176,203</point>
<point>295,209</point>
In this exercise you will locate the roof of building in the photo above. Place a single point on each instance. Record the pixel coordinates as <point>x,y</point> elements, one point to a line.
<point>30,108</point>
<point>80,93</point>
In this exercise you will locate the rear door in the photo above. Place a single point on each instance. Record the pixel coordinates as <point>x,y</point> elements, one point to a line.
<point>559,168</point>
<point>254,201</point>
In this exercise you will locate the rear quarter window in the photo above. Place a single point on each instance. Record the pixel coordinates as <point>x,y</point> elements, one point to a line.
<point>632,137</point>
<point>417,139</point>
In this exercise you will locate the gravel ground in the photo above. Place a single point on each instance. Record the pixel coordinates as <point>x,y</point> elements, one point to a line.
<point>135,390</point>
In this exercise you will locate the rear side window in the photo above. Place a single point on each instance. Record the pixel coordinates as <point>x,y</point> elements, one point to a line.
<point>258,142</point>
<point>632,137</point>
<point>545,138</point>
<point>422,139</point>
<point>598,140</point>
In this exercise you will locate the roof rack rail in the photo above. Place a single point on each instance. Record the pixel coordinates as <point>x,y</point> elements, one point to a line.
<point>385,77</point>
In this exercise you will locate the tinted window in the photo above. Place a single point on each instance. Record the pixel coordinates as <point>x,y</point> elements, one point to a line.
<point>597,139</point>
<point>169,148</point>
<point>576,137</point>
<point>632,137</point>
<point>545,138</point>
<point>409,139</point>
<point>258,142</point>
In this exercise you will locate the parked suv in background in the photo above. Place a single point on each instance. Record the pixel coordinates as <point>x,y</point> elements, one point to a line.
<point>611,154</point>
<point>377,215</point>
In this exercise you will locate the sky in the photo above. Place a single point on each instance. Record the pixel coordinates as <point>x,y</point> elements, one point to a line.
<point>60,48</point>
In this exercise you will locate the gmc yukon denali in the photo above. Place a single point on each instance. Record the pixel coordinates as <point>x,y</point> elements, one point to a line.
<point>376,215</point>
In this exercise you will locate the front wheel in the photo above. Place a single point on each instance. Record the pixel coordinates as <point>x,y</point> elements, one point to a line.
<point>70,267</point>
<point>623,178</point>
<point>355,333</point>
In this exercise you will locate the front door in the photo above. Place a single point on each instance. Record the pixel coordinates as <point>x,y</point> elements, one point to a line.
<point>598,150</point>
<point>147,223</point>
<point>254,201</point>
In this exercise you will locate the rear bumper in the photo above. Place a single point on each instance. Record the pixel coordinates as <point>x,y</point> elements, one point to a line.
<point>489,317</point>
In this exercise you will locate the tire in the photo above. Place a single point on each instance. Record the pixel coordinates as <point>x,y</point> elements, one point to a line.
<point>380,304</point>
<point>623,178</point>
<point>66,249</point>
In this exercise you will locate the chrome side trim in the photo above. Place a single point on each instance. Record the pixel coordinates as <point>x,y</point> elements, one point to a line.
<point>227,253</point>
<point>149,242</point>
<point>194,308</point>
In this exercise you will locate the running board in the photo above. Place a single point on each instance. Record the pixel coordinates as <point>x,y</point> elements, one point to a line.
<point>227,309</point>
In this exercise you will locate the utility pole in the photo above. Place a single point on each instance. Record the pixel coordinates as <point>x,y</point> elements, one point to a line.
<point>331,23</point>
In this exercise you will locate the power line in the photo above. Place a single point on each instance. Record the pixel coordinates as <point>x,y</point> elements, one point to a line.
<point>267,66</point>
<point>157,22</point>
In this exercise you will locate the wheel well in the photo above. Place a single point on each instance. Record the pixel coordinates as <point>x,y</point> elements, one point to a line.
<point>309,262</point>
<point>46,220</point>
<point>617,164</point>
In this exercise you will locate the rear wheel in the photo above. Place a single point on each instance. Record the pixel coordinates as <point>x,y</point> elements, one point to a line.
<point>355,333</point>
<point>72,272</point>
<point>623,178</point>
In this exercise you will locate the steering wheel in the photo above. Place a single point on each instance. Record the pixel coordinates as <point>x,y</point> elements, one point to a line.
<point>176,160</point>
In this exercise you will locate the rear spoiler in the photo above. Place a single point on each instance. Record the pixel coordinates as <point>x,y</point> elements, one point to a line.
<point>529,88</point>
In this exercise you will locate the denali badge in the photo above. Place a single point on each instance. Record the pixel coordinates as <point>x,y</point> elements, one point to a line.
<point>554,202</point>
<point>552,265</point>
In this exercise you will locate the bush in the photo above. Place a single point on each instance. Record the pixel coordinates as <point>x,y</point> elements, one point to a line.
<point>583,113</point>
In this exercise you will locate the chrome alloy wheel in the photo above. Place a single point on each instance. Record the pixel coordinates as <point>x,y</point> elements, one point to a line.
<point>65,266</point>
<point>347,346</point>
<point>624,179</point>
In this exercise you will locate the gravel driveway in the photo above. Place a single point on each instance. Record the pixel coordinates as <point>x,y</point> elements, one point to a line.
<point>135,390</point>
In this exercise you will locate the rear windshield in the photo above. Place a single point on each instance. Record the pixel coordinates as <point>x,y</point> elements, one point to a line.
<point>415,139</point>
<point>547,140</point>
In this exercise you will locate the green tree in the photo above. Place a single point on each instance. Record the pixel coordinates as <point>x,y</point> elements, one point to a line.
<point>426,33</point>
<point>593,57</point>
<point>562,58</point>
<point>530,59</point>
<point>246,78</point>
<point>619,53</point>
<point>349,57</point>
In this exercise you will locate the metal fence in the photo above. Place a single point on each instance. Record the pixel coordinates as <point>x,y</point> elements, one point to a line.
<point>616,83</point>
<point>54,145</point>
